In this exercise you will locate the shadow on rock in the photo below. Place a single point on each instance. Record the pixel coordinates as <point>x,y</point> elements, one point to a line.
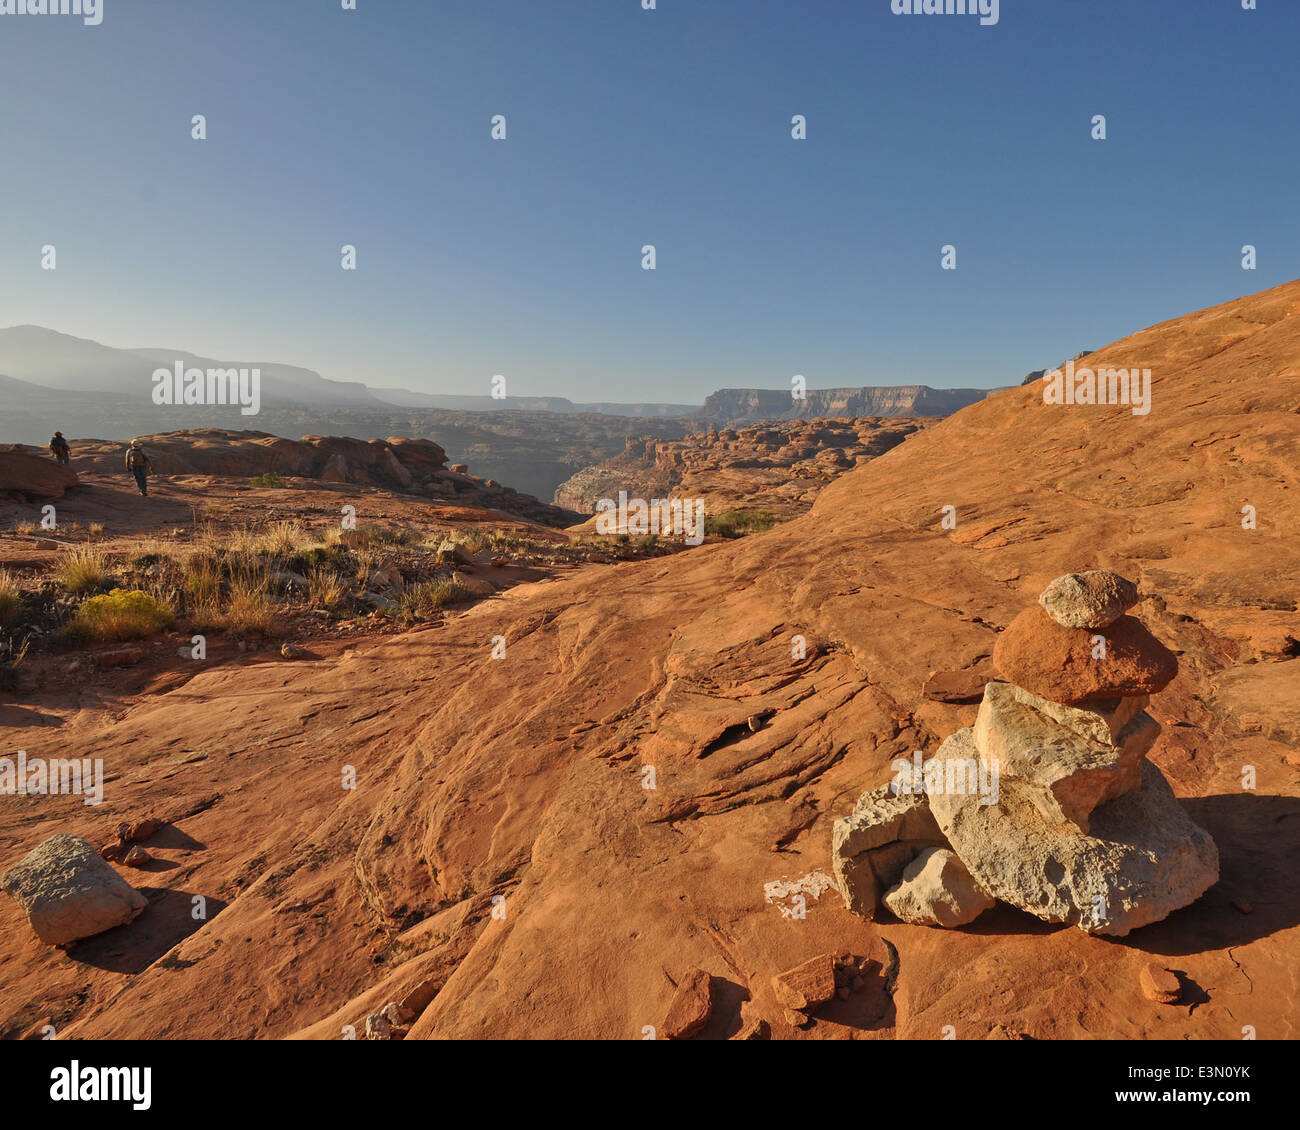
<point>167,920</point>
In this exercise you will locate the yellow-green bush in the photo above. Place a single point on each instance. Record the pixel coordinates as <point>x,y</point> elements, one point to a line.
<point>118,615</point>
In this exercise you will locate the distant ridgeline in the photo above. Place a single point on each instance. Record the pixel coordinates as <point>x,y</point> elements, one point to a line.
<point>748,405</point>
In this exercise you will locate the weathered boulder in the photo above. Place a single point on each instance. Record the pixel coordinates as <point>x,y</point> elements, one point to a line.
<point>1142,859</point>
<point>1066,774</point>
<point>68,892</point>
<point>1095,599</point>
<point>1066,664</point>
<point>937,890</point>
<point>873,844</point>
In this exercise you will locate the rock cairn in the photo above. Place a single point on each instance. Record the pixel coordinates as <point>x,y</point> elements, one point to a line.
<point>1048,802</point>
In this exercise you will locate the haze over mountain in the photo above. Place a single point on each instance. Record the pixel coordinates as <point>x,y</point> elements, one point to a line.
<point>52,360</point>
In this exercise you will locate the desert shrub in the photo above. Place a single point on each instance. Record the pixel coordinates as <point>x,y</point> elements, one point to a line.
<point>269,479</point>
<point>83,570</point>
<point>738,523</point>
<point>11,598</point>
<point>118,615</point>
<point>96,531</point>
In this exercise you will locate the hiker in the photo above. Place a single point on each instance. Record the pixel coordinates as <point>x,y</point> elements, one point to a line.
<point>59,448</point>
<point>140,465</point>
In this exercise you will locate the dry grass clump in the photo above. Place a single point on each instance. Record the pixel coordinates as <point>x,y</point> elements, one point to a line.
<point>82,570</point>
<point>325,588</point>
<point>11,598</point>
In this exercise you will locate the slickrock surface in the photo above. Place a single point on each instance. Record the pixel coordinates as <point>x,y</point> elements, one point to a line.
<point>523,777</point>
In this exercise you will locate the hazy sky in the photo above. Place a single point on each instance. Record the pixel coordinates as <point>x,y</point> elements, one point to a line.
<point>627,127</point>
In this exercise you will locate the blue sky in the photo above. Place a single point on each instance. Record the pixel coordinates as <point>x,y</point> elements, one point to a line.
<point>626,127</point>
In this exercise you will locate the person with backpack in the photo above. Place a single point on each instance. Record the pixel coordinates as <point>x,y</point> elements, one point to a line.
<point>59,448</point>
<point>140,465</point>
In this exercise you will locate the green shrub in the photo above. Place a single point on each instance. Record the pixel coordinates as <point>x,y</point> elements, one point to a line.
<point>118,615</point>
<point>269,479</point>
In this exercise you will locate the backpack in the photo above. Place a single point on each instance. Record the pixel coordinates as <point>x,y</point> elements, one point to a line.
<point>135,459</point>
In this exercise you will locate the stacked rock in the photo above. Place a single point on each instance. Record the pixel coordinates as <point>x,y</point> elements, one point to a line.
<point>1078,825</point>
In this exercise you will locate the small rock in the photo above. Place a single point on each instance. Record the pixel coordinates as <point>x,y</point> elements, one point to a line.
<point>396,1015</point>
<point>378,1027</point>
<point>475,586</point>
<point>120,657</point>
<point>291,651</point>
<point>807,985</point>
<point>755,723</point>
<point>1159,984</point>
<point>1242,905</point>
<point>1095,599</point>
<point>143,829</point>
<point>691,1006</point>
<point>937,890</point>
<point>871,846</point>
<point>755,1028</point>
<point>136,856</point>
<point>112,851</point>
<point>795,1019</point>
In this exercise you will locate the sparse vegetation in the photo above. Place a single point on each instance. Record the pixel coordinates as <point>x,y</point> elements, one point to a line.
<point>83,570</point>
<point>325,588</point>
<point>738,523</point>
<point>270,479</point>
<point>11,598</point>
<point>118,615</point>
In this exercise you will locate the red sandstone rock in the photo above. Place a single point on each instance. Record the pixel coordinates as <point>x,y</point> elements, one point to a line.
<point>808,985</point>
<point>1058,663</point>
<point>1159,984</point>
<point>33,478</point>
<point>691,1006</point>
